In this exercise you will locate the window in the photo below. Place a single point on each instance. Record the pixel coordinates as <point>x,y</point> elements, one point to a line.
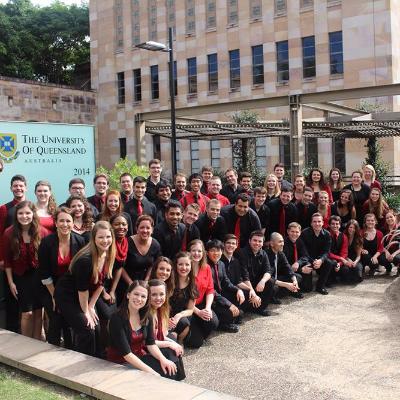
<point>311,152</point>
<point>119,25</point>
<point>284,151</point>
<point>157,147</point>
<point>192,75</point>
<point>215,153</point>
<point>336,52</point>
<point>234,69</point>
<point>261,152</point>
<point>121,87</point>
<point>152,24</point>
<point>258,64</point>
<point>211,14</point>
<point>280,7</point>
<point>190,17</point>
<point>308,44</point>
<point>137,85</point>
<point>155,90</point>
<point>122,147</point>
<point>339,153</point>
<point>212,72</point>
<point>282,61</point>
<point>306,3</point>
<point>255,9</point>
<point>194,155</point>
<point>232,12</point>
<point>135,22</point>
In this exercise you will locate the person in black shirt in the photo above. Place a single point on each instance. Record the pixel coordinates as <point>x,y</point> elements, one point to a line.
<point>257,273</point>
<point>246,180</point>
<point>231,190</point>
<point>139,204</point>
<point>240,219</point>
<point>163,194</point>
<point>283,212</point>
<point>180,187</point>
<point>211,225</point>
<point>318,243</point>
<point>190,216</point>
<point>258,204</point>
<point>155,177</point>
<point>101,185</point>
<point>126,185</point>
<point>170,233</point>
<point>306,208</point>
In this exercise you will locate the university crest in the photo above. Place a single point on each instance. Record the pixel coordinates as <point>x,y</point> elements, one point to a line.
<point>8,147</point>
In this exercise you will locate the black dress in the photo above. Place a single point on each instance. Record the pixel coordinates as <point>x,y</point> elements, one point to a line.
<point>179,302</point>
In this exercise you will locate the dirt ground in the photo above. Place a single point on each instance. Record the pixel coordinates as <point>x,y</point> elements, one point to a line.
<point>342,346</point>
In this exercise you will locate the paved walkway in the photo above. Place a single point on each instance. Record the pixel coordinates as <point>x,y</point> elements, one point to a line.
<point>340,347</point>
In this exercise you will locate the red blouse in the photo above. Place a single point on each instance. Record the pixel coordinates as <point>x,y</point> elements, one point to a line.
<point>204,283</point>
<point>63,263</point>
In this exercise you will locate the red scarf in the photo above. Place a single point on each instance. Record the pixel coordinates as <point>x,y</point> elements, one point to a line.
<point>160,334</point>
<point>122,249</point>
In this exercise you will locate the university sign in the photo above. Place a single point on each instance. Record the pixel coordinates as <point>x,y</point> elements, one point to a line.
<point>53,152</point>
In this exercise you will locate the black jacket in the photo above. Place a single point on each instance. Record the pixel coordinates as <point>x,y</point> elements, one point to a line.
<point>275,207</point>
<point>254,266</point>
<point>317,246</point>
<point>222,284</point>
<point>170,242</point>
<point>302,255</point>
<point>283,267</point>
<point>148,208</point>
<point>304,215</point>
<point>233,269</point>
<point>217,231</point>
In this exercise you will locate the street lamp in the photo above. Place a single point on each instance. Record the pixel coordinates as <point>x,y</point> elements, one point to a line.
<point>155,46</point>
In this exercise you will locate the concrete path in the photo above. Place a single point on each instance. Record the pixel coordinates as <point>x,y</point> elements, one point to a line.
<point>340,347</point>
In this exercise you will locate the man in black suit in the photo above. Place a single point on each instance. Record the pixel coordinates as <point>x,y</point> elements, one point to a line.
<point>283,212</point>
<point>306,208</point>
<point>211,224</point>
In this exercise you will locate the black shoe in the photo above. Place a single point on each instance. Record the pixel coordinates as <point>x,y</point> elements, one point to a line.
<point>263,312</point>
<point>298,295</point>
<point>231,328</point>
<point>321,290</point>
<point>275,300</point>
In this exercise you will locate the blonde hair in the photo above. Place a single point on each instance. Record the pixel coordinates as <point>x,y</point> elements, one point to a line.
<point>277,191</point>
<point>372,169</point>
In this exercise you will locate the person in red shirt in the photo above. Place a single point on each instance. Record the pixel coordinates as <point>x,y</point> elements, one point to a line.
<point>316,181</point>
<point>214,189</point>
<point>195,196</point>
<point>21,243</point>
<point>324,208</point>
<point>46,205</point>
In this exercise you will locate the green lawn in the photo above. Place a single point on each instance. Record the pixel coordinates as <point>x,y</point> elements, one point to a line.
<point>17,385</point>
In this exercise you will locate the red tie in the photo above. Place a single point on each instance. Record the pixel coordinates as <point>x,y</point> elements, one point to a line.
<point>282,217</point>
<point>295,252</point>
<point>139,208</point>
<point>237,229</point>
<point>217,278</point>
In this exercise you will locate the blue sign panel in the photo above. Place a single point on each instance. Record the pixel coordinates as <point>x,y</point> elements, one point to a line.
<point>44,151</point>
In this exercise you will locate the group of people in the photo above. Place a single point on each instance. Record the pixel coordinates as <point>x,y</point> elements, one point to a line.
<point>137,274</point>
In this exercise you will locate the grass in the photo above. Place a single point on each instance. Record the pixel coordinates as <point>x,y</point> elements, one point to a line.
<point>17,385</point>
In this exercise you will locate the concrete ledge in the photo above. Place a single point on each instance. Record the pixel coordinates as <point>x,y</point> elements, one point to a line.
<point>92,376</point>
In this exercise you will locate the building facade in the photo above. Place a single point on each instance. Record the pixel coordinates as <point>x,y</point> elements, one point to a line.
<point>230,50</point>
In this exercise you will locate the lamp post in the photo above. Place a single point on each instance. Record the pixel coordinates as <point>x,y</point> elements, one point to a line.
<point>155,46</point>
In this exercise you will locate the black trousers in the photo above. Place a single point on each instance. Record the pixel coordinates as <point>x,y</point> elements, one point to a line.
<point>224,314</point>
<point>12,308</point>
<point>104,309</point>
<point>351,275</point>
<point>323,274</point>
<point>382,260</point>
<point>285,278</point>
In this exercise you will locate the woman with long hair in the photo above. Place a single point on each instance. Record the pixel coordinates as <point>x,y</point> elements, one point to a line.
<point>372,254</point>
<point>316,181</point>
<point>78,291</point>
<point>391,239</point>
<point>132,339</point>
<point>21,244</point>
<point>324,207</point>
<point>335,182</point>
<point>344,207</point>
<point>352,271</point>
<point>204,319</point>
<point>184,296</point>
<point>298,188</point>
<point>45,205</point>
<point>113,206</point>
<point>162,270</point>
<point>55,254</point>
<point>83,216</point>
<point>271,183</point>
<point>369,177</point>
<point>376,205</point>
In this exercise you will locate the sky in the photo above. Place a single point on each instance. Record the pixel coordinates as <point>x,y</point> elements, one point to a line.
<point>47,2</point>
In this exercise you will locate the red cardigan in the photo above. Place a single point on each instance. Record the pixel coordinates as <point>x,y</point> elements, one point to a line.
<point>204,283</point>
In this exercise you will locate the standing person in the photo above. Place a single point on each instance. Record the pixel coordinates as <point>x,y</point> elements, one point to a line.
<point>316,181</point>
<point>21,243</point>
<point>335,182</point>
<point>324,208</point>
<point>132,335</point>
<point>214,190</point>
<point>143,250</point>
<point>190,216</point>
<point>113,206</point>
<point>306,208</point>
<point>211,224</point>
<point>45,205</point>
<point>207,173</point>
<point>372,254</point>
<point>318,243</point>
<point>204,319</point>
<point>353,271</point>
<point>360,193</point>
<point>232,188</point>
<point>256,273</point>
<point>369,177</point>
<point>240,219</point>
<point>344,207</point>
<point>76,187</point>
<point>184,296</point>
<point>77,291</point>
<point>139,204</point>
<point>258,204</point>
<point>246,182</point>
<point>126,185</point>
<point>273,187</point>
<point>376,205</point>
<point>101,185</point>
<point>279,172</point>
<point>154,177</point>
<point>298,188</point>
<point>163,194</point>
<point>83,216</point>
<point>195,195</point>
<point>54,255</point>
<point>283,212</point>
<point>179,187</point>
